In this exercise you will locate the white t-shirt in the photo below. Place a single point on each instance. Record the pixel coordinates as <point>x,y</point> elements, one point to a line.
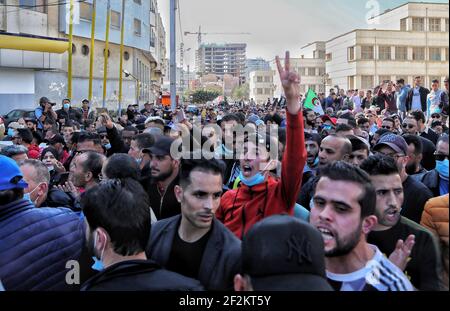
<point>379,274</point>
<point>416,104</point>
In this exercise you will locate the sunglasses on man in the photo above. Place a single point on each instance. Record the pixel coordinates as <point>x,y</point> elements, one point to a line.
<point>440,156</point>
<point>406,125</point>
<point>435,116</point>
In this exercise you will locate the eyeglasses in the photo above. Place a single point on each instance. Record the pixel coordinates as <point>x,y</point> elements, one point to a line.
<point>386,127</point>
<point>16,138</point>
<point>103,136</point>
<point>436,116</point>
<point>440,156</point>
<point>406,125</point>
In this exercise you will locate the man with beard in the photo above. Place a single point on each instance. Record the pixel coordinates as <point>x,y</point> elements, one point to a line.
<point>118,223</point>
<point>310,121</point>
<point>422,266</point>
<point>332,148</point>
<point>416,193</point>
<point>164,176</point>
<point>196,244</point>
<point>343,211</point>
<point>312,144</point>
<point>415,149</point>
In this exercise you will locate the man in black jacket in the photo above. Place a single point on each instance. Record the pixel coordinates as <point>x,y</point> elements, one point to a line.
<point>417,97</point>
<point>161,178</point>
<point>424,267</point>
<point>118,220</point>
<point>67,113</point>
<point>437,179</point>
<point>416,193</point>
<point>195,243</point>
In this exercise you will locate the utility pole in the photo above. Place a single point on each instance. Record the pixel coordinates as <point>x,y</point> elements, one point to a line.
<point>173,55</point>
<point>106,53</point>
<point>182,66</point>
<point>69,70</point>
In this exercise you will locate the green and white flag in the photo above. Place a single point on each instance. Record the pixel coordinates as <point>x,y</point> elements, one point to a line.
<point>312,102</point>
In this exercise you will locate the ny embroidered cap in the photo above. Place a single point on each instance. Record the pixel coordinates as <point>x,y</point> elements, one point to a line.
<point>10,175</point>
<point>393,141</point>
<point>283,253</point>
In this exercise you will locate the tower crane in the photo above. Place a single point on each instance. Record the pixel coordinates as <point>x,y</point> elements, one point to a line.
<point>200,33</point>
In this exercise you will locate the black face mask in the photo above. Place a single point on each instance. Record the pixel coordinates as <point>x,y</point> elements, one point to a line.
<point>310,123</point>
<point>411,168</point>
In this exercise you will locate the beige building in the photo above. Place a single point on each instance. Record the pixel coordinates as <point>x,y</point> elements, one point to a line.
<point>25,76</point>
<point>408,41</point>
<point>311,71</point>
<point>261,84</point>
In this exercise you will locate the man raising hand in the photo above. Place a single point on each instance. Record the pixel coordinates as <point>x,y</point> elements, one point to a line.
<point>260,194</point>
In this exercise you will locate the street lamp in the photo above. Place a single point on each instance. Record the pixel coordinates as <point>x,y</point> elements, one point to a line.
<point>128,74</point>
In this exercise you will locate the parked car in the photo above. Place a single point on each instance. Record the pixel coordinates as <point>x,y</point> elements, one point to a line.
<point>15,115</point>
<point>193,109</point>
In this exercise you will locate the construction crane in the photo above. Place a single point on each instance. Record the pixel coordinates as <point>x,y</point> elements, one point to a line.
<point>200,33</point>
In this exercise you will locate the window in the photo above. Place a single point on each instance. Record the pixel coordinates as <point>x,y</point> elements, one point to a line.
<point>367,82</point>
<point>384,52</point>
<point>384,78</point>
<point>367,52</point>
<point>418,24</point>
<point>137,27</point>
<point>109,52</point>
<point>418,53</point>
<point>312,87</point>
<point>137,2</point>
<point>85,50</point>
<point>259,79</point>
<point>311,71</point>
<point>74,48</point>
<point>435,78</point>
<point>328,56</point>
<point>321,88</point>
<point>446,25</point>
<point>35,5</point>
<point>152,7</point>
<point>259,91</point>
<point>446,54</point>
<point>351,82</point>
<point>434,24</point>
<point>401,53</point>
<point>302,71</point>
<point>86,11</point>
<point>115,19</point>
<point>351,53</point>
<point>321,71</point>
<point>322,54</point>
<point>267,79</point>
<point>126,55</point>
<point>267,91</point>
<point>403,24</point>
<point>435,54</point>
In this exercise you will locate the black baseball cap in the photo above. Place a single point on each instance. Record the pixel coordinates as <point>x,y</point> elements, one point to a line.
<point>161,147</point>
<point>283,253</point>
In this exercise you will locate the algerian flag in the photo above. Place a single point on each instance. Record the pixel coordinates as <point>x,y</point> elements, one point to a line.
<point>312,102</point>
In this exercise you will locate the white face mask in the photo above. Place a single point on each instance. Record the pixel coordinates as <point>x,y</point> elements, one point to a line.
<point>50,168</point>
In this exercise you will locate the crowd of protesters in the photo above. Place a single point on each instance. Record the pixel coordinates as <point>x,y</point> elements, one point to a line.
<point>352,199</point>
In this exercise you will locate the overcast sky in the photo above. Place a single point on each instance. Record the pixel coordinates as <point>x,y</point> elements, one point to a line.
<point>275,25</point>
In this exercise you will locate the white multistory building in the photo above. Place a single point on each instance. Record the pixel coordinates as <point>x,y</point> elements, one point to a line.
<point>261,84</point>
<point>407,41</point>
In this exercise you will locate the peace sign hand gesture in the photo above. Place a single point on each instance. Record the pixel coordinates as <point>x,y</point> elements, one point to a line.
<point>290,81</point>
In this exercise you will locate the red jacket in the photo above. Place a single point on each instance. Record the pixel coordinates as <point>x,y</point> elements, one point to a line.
<point>241,208</point>
<point>34,152</point>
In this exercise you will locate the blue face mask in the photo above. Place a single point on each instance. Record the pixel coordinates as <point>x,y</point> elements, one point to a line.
<point>26,196</point>
<point>252,181</point>
<point>327,127</point>
<point>98,263</point>
<point>442,168</point>
<point>108,146</point>
<point>10,132</point>
<point>66,106</point>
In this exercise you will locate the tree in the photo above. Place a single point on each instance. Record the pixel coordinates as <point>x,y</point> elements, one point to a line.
<point>201,96</point>
<point>241,92</point>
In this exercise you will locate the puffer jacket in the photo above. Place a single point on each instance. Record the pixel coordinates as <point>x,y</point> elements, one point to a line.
<point>36,244</point>
<point>34,152</point>
<point>241,208</point>
<point>435,219</point>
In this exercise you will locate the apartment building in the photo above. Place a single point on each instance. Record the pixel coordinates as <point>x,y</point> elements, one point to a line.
<point>410,40</point>
<point>261,84</point>
<point>222,59</point>
<point>25,75</point>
